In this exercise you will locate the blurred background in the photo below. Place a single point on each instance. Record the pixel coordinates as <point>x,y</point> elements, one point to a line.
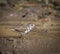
<point>45,36</point>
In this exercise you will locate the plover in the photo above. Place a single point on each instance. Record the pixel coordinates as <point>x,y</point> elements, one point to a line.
<point>28,28</point>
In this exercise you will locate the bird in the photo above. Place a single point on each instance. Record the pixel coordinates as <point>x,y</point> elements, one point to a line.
<point>28,28</point>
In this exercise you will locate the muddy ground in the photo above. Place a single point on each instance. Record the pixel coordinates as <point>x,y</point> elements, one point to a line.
<point>43,39</point>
